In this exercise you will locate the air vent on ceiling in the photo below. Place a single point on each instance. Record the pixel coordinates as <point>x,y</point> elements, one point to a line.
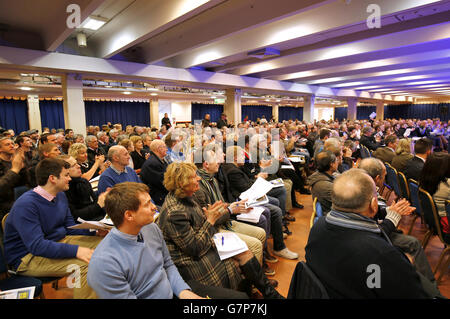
<point>264,53</point>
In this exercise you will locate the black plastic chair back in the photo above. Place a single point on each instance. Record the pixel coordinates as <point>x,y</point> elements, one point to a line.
<point>403,185</point>
<point>305,284</point>
<point>392,179</point>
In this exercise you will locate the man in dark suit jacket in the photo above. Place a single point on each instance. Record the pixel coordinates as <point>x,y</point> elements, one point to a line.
<point>93,149</point>
<point>422,130</point>
<point>387,153</point>
<point>368,140</point>
<point>152,171</point>
<point>422,150</point>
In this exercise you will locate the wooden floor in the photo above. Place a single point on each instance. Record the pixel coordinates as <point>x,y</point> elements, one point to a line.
<point>297,242</point>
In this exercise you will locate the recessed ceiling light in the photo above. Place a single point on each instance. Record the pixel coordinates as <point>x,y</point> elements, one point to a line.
<point>93,23</point>
<point>25,88</point>
<point>126,92</point>
<point>154,94</point>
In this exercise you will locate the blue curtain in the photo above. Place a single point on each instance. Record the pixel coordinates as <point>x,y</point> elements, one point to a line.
<point>256,111</point>
<point>286,113</point>
<point>418,111</point>
<point>340,113</point>
<point>363,112</point>
<point>14,115</point>
<point>198,111</point>
<point>125,113</point>
<point>52,114</point>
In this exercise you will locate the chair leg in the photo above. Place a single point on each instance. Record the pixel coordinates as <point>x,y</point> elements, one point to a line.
<point>426,239</point>
<point>446,264</point>
<point>412,224</point>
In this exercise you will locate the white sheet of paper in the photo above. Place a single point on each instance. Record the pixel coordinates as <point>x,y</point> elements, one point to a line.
<point>259,188</point>
<point>287,167</point>
<point>92,224</point>
<point>22,293</point>
<point>232,245</point>
<point>253,216</point>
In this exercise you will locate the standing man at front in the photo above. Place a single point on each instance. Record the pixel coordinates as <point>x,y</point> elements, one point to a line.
<point>38,240</point>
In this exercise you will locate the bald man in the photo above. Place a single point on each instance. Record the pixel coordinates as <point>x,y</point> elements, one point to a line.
<point>118,171</point>
<point>389,218</point>
<point>152,171</point>
<point>349,252</point>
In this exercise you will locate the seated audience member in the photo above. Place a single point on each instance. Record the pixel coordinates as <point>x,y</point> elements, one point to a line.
<point>47,138</point>
<point>368,140</point>
<point>47,150</point>
<point>350,242</point>
<point>38,242</point>
<point>138,155</point>
<point>103,142</point>
<point>402,155</point>
<point>321,181</point>
<point>126,142</point>
<point>188,232</point>
<point>118,171</point>
<point>389,217</point>
<point>83,201</point>
<point>239,182</point>
<point>152,172</point>
<point>173,154</point>
<point>115,269</point>
<point>209,193</point>
<point>324,134</point>
<point>25,144</point>
<point>422,150</point>
<point>79,152</point>
<point>93,149</point>
<point>434,178</point>
<point>13,173</point>
<point>387,153</point>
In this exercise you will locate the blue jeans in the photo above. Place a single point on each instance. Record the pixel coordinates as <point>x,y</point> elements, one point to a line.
<point>276,223</point>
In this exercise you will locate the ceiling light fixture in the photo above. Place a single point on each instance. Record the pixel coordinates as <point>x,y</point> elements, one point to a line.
<point>25,88</point>
<point>126,92</point>
<point>93,23</point>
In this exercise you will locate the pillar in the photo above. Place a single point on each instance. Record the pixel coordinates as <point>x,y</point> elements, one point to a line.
<point>380,110</point>
<point>308,108</point>
<point>232,107</point>
<point>154,113</point>
<point>352,103</point>
<point>74,113</point>
<point>34,113</point>
<point>275,112</point>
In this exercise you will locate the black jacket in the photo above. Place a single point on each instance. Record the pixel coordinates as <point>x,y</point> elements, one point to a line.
<point>369,142</point>
<point>152,174</point>
<point>238,181</point>
<point>414,168</point>
<point>83,200</point>
<point>342,258</point>
<point>221,123</point>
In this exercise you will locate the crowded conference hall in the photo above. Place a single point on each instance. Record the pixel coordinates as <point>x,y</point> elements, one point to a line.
<point>237,149</point>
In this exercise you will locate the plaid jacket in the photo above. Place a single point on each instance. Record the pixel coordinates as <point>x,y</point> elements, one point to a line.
<point>189,239</point>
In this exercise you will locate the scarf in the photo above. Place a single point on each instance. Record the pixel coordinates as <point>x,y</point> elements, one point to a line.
<point>210,183</point>
<point>355,221</point>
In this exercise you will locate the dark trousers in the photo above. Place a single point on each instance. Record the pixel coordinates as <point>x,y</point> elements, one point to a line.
<point>276,223</point>
<point>215,292</point>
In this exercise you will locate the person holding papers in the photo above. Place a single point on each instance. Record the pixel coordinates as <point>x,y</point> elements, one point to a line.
<point>38,241</point>
<point>239,182</point>
<point>189,229</point>
<point>209,193</point>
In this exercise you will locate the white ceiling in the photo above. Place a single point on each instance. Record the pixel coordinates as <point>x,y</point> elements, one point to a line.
<point>326,43</point>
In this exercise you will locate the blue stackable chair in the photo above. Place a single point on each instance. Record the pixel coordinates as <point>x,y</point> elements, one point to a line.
<point>414,199</point>
<point>317,212</point>
<point>433,222</point>
<point>392,179</point>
